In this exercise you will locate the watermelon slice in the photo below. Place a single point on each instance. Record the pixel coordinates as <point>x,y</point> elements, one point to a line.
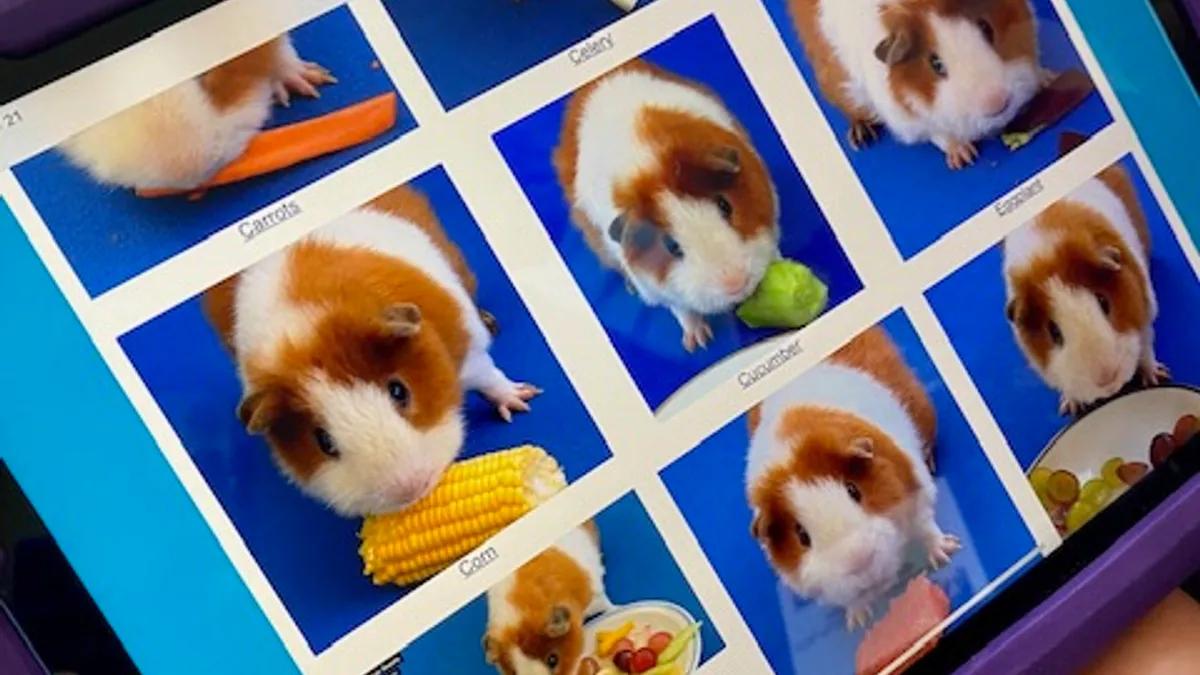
<point>921,607</point>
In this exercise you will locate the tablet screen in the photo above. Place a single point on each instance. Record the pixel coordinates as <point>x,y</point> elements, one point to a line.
<point>610,336</point>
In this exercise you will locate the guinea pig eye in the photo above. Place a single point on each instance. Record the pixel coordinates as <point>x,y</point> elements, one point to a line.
<point>854,492</point>
<point>672,246</point>
<point>935,63</point>
<point>1056,335</point>
<point>1104,305</point>
<point>802,535</point>
<point>552,661</point>
<point>398,392</point>
<point>325,442</point>
<point>989,33</point>
<point>725,207</point>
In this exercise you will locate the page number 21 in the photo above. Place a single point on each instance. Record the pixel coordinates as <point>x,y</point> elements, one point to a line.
<point>10,119</point>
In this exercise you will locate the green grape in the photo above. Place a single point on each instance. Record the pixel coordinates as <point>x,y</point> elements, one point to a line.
<point>1079,514</point>
<point>1096,493</point>
<point>1063,487</point>
<point>1038,478</point>
<point>1109,472</point>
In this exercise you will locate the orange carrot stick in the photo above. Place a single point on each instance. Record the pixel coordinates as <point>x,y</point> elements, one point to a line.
<point>282,147</point>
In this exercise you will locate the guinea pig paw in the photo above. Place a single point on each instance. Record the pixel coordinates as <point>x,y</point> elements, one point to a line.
<point>1155,373</point>
<point>858,617</point>
<point>862,133</point>
<point>302,79</point>
<point>942,549</point>
<point>1068,407</point>
<point>696,333</point>
<point>512,398</point>
<point>960,155</point>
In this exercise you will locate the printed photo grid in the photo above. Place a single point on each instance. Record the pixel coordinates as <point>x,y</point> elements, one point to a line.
<point>406,328</point>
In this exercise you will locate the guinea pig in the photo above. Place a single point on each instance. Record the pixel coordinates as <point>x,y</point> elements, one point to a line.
<point>669,191</point>
<point>536,615</point>
<point>950,72</point>
<point>1079,296</point>
<point>182,136</point>
<point>839,477</point>
<point>354,347</point>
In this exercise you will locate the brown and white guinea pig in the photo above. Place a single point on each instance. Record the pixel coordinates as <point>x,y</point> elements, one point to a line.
<point>354,347</point>
<point>536,615</point>
<point>950,72</point>
<point>182,136</point>
<point>1079,296</point>
<point>838,476</point>
<point>669,191</point>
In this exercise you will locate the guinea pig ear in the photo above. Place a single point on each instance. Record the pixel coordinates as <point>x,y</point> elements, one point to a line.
<point>616,229</point>
<point>754,418</point>
<point>1010,310</point>
<point>258,410</point>
<point>402,320</point>
<point>724,159</point>
<point>559,622</point>
<point>862,448</point>
<point>1110,258</point>
<point>707,171</point>
<point>758,525</point>
<point>971,8</point>
<point>897,47</point>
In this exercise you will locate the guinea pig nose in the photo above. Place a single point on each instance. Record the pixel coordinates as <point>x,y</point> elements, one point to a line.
<point>996,102</point>
<point>409,489</point>
<point>860,560</point>
<point>735,283</point>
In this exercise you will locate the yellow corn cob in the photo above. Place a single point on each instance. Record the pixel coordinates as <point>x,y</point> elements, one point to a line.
<point>475,499</point>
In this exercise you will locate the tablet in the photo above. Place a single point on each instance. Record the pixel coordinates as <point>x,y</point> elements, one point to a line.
<point>597,337</point>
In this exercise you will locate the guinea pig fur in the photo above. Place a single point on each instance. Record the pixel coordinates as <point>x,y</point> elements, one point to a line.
<point>535,616</point>
<point>668,190</point>
<point>838,477</point>
<point>950,72</point>
<point>1079,297</point>
<point>182,136</point>
<point>354,347</point>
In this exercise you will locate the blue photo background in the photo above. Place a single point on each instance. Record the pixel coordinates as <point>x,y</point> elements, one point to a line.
<point>638,567</point>
<point>970,304</point>
<point>794,633</point>
<point>648,338</point>
<point>309,554</point>
<point>466,47</point>
<point>110,236</point>
<point>900,179</point>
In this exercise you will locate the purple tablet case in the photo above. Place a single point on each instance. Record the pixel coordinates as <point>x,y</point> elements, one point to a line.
<point>29,25</point>
<point>1061,636</point>
<point>1067,631</point>
<point>16,656</point>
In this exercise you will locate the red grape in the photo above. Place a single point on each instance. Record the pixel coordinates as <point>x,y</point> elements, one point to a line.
<point>623,661</point>
<point>659,641</point>
<point>643,659</point>
<point>1133,472</point>
<point>1186,428</point>
<point>1161,447</point>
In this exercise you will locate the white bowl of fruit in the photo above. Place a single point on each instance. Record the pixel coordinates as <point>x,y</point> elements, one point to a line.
<point>644,638</point>
<point>1099,456</point>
